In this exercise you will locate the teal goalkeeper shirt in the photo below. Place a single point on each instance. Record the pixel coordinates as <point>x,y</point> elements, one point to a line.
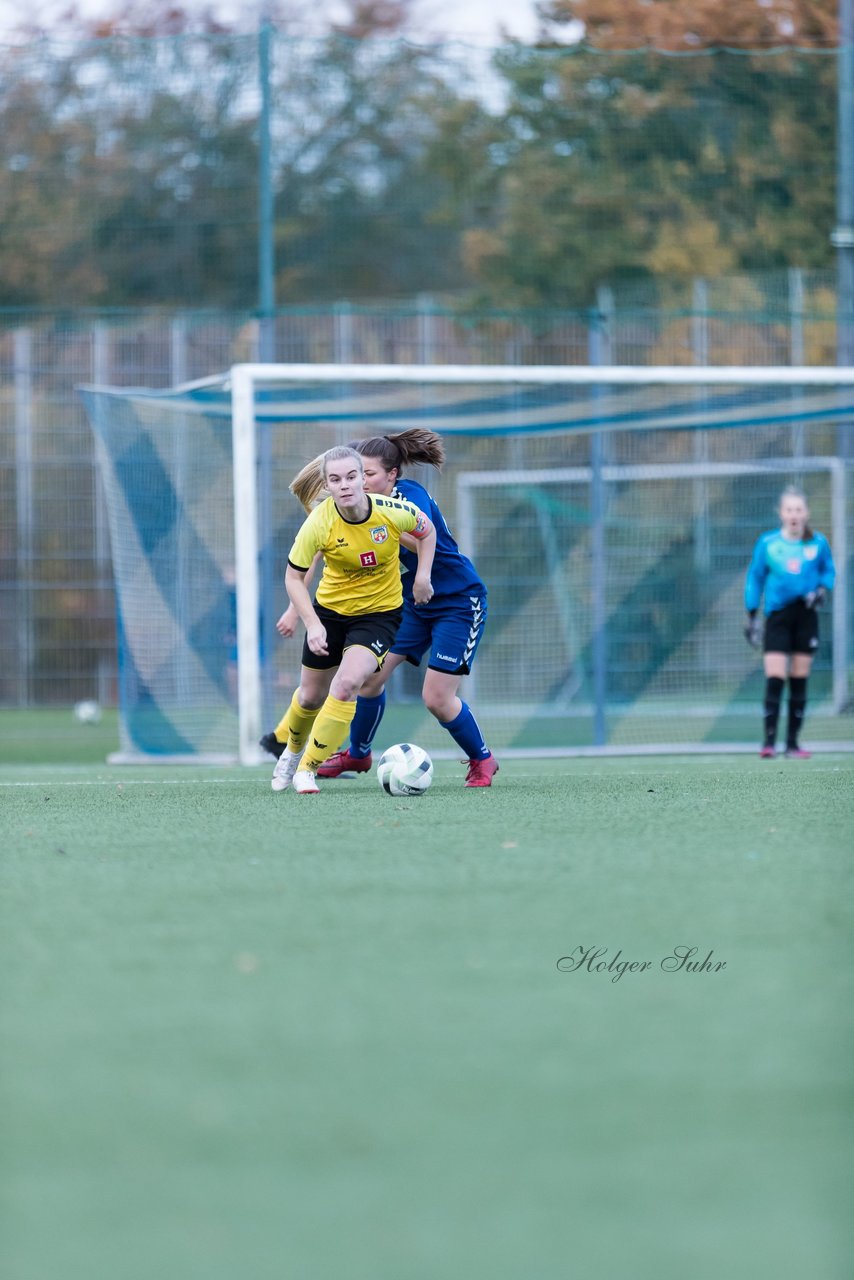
<point>785,570</point>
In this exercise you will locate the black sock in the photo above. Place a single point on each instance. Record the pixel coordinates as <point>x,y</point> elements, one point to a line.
<point>797,707</point>
<point>773,694</point>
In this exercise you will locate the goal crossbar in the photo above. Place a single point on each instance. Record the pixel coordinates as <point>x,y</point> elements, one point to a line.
<point>547,374</point>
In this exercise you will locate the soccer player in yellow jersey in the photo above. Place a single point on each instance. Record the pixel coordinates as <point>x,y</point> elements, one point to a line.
<point>359,603</point>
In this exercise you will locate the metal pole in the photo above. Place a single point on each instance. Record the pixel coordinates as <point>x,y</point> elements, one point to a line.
<point>605,345</point>
<point>796,349</point>
<point>182,468</point>
<point>342,333</point>
<point>843,240</point>
<point>178,350</point>
<point>244,456</point>
<point>842,236</point>
<point>840,623</point>
<point>103,559</point>
<point>269,597</point>
<point>266,259</point>
<point>426,329</point>
<point>465,523</point>
<point>700,488</point>
<point>598,340</point>
<point>24,521</point>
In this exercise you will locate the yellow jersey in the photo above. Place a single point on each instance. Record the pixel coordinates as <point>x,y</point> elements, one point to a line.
<point>361,569</point>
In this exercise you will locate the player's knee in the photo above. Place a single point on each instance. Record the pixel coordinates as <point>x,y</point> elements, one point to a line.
<point>346,688</point>
<point>310,701</point>
<point>373,686</point>
<point>439,704</point>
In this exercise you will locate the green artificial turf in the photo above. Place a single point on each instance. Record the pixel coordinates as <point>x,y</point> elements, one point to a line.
<point>52,736</point>
<point>274,1037</point>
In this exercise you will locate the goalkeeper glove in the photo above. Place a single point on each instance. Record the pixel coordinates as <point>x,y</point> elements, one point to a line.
<point>813,599</point>
<point>753,630</point>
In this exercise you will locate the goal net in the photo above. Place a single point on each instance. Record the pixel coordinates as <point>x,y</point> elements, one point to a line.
<point>610,511</point>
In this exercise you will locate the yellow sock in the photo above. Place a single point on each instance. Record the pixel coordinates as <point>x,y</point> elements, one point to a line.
<point>281,729</point>
<point>294,727</point>
<point>331,727</point>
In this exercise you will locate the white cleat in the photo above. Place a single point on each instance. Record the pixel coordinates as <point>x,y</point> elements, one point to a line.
<point>305,783</point>
<point>286,767</point>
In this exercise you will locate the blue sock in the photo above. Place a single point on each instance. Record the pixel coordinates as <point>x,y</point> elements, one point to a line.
<point>466,733</point>
<point>366,721</point>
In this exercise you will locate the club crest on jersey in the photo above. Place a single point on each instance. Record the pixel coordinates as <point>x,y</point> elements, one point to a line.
<point>368,559</point>
<point>810,553</point>
<point>380,534</point>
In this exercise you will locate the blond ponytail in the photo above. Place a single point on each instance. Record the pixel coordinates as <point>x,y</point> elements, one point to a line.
<point>309,484</point>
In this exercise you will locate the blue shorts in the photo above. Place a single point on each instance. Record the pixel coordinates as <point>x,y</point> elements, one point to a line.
<point>451,630</point>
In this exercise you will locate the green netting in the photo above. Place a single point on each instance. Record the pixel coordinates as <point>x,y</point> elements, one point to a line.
<point>612,529</point>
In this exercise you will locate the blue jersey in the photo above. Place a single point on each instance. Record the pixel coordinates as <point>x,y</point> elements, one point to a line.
<point>786,570</point>
<point>453,574</point>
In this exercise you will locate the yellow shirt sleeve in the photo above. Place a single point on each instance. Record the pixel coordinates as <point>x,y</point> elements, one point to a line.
<point>310,539</point>
<point>405,517</point>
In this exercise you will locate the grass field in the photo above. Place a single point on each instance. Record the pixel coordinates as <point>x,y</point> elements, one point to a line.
<point>327,1038</point>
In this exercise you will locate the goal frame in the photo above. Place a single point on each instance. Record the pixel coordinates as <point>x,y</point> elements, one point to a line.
<point>245,378</point>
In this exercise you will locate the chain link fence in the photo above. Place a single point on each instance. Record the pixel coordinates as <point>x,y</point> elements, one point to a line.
<point>57,617</point>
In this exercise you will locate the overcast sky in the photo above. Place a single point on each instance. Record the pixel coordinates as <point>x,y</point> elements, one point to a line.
<point>479,21</point>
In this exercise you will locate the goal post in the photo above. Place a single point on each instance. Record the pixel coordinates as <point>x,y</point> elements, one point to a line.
<point>610,510</point>
<point>247,562</point>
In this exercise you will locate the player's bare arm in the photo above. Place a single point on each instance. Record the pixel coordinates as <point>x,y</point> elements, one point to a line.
<point>424,538</point>
<point>287,624</point>
<point>315,632</point>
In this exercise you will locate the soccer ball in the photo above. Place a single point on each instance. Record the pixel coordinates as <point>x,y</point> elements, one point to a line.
<point>87,712</point>
<point>405,770</point>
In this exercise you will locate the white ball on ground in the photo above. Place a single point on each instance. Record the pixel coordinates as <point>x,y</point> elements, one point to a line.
<point>87,712</point>
<point>405,770</point>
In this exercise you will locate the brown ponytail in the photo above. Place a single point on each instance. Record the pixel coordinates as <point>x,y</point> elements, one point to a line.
<point>416,445</point>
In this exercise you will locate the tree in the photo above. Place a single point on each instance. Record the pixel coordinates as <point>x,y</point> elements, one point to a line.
<point>132,163</point>
<point>695,24</point>
<point>132,177</point>
<point>633,164</point>
<point>370,170</point>
<point>135,178</point>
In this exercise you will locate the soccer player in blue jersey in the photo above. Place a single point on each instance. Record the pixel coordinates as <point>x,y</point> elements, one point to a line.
<point>448,628</point>
<point>793,566</point>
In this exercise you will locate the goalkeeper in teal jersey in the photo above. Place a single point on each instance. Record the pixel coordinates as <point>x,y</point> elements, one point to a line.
<point>793,567</point>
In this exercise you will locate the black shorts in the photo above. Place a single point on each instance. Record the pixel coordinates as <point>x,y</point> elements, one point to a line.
<point>792,629</point>
<point>374,631</point>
